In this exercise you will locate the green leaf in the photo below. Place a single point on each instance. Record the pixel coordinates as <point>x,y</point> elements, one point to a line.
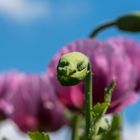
<point>38,136</point>
<point>99,110</point>
<point>103,126</point>
<point>108,92</point>
<point>100,125</point>
<point>115,131</point>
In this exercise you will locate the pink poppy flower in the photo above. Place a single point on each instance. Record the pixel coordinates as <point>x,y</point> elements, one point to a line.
<point>132,49</point>
<point>109,62</point>
<point>29,101</point>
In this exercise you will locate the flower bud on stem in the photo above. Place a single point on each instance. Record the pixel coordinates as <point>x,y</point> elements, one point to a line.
<point>129,22</point>
<point>71,70</point>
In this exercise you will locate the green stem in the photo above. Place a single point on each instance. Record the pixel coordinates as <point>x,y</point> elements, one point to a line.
<point>115,132</point>
<point>101,27</point>
<point>120,123</point>
<point>117,125</point>
<point>75,127</point>
<point>88,103</point>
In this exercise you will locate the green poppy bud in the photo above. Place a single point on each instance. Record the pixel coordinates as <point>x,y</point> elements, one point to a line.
<point>129,22</point>
<point>72,68</point>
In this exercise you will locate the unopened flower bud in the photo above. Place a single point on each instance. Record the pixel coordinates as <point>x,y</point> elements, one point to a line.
<point>129,22</point>
<point>72,68</point>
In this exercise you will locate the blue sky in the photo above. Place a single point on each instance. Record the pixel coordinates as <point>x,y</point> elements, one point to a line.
<point>31,32</point>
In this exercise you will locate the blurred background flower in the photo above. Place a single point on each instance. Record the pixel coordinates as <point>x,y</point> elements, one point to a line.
<point>33,31</point>
<point>132,49</point>
<point>109,61</point>
<point>30,102</point>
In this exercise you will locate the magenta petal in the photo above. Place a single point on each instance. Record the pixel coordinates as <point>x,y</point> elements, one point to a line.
<point>109,62</point>
<point>24,96</point>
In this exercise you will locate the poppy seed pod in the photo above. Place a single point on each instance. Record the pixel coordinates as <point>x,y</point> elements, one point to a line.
<point>72,68</point>
<point>129,22</point>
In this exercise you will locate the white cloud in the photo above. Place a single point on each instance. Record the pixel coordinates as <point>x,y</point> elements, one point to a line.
<point>26,10</point>
<point>132,132</point>
<point>23,9</point>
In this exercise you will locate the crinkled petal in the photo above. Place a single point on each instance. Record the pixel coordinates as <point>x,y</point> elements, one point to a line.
<point>109,62</point>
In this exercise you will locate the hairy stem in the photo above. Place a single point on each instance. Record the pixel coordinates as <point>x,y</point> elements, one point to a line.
<point>101,27</point>
<point>88,103</point>
<point>75,127</point>
<point>117,125</point>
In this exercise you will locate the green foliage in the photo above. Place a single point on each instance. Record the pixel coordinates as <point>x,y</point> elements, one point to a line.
<point>100,128</point>
<point>108,92</point>
<point>99,110</point>
<point>38,136</point>
<point>115,131</point>
<point>100,125</point>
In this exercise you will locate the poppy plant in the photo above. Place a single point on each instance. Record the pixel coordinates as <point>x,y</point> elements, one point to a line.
<point>110,62</point>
